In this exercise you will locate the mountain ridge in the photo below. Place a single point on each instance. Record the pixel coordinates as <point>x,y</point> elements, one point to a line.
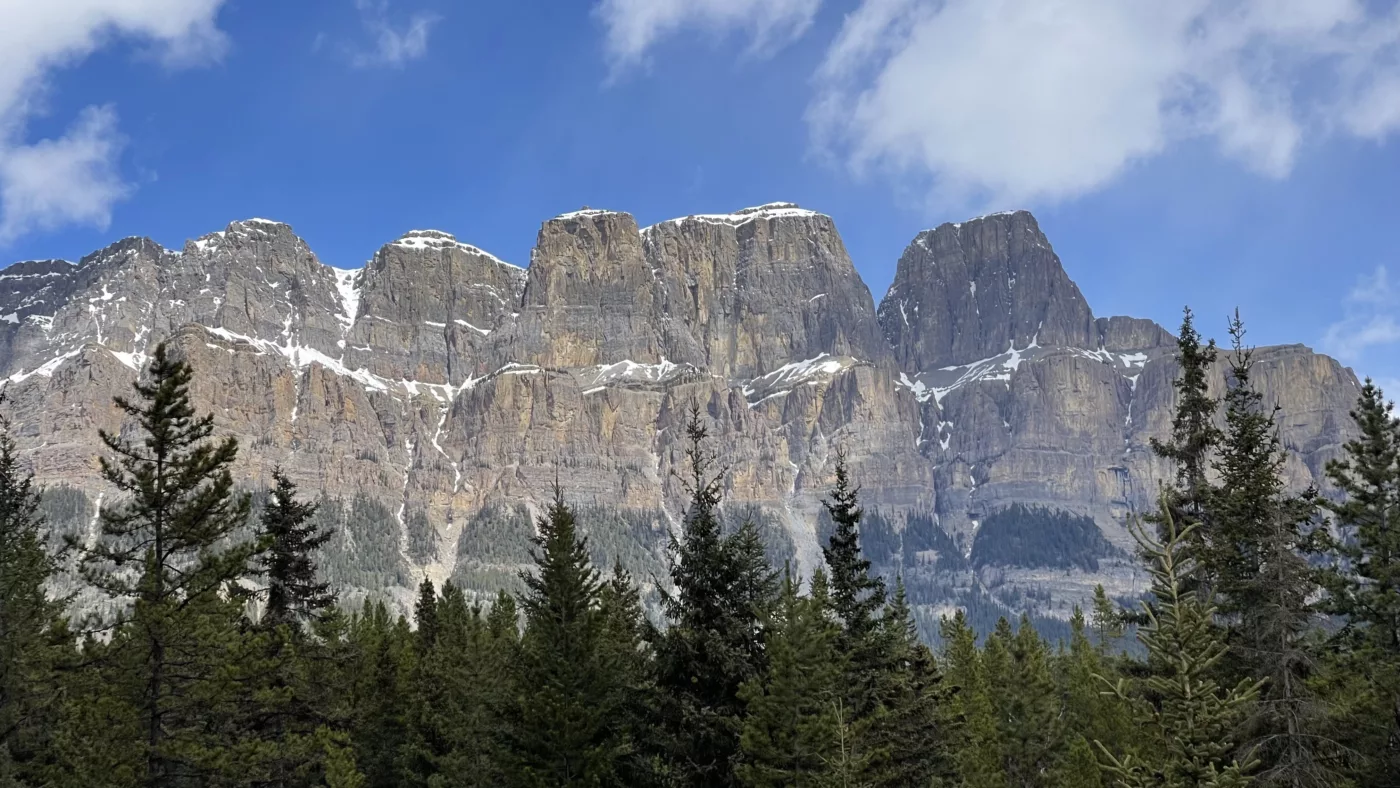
<point>441,381</point>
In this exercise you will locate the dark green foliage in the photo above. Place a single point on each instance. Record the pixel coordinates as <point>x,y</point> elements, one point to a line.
<point>570,684</point>
<point>1194,434</point>
<point>1251,556</point>
<point>1363,587</point>
<point>290,539</point>
<point>714,642</point>
<point>1190,718</point>
<point>1038,537</point>
<point>166,547</point>
<point>31,629</point>
<point>798,730</point>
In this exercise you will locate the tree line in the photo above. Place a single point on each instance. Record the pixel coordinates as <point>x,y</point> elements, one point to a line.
<point>1267,648</point>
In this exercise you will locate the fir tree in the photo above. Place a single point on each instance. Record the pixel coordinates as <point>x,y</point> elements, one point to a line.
<point>170,547</point>
<point>1190,716</point>
<point>31,628</point>
<point>714,643</point>
<point>569,685</point>
<point>295,594</point>
<point>1090,713</point>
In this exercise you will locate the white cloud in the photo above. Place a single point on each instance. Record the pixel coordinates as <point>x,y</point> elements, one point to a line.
<point>393,46</point>
<point>50,183</point>
<point>634,26</point>
<point>1369,319</point>
<point>1023,101</point>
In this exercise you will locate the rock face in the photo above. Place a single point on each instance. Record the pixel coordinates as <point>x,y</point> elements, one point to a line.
<point>434,396</point>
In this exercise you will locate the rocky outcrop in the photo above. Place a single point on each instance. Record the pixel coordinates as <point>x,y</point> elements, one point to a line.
<point>967,291</point>
<point>434,396</point>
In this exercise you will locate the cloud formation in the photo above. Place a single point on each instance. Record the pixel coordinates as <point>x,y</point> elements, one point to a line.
<point>1006,102</point>
<point>635,26</point>
<point>393,46</point>
<point>1369,319</point>
<point>46,184</point>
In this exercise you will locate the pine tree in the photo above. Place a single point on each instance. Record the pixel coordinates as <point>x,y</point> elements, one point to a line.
<point>295,594</point>
<point>1194,434</point>
<point>31,628</point>
<point>459,698</point>
<point>797,731</point>
<point>1190,716</point>
<point>1363,577</point>
<point>569,685</point>
<point>381,668</point>
<point>170,547</point>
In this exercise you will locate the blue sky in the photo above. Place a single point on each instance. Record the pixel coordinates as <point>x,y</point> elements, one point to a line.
<point>1206,152</point>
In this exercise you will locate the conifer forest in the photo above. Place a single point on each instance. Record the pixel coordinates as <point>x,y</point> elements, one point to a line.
<point>1266,650</point>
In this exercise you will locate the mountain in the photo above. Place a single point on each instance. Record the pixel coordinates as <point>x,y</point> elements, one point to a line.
<point>434,396</point>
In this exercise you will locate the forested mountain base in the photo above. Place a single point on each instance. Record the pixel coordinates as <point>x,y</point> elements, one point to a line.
<point>1269,643</point>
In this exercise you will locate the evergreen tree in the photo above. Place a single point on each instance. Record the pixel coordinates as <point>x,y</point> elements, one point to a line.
<point>569,683</point>
<point>31,628</point>
<point>797,732</point>
<point>1089,713</point>
<point>1080,768</point>
<point>1194,434</point>
<point>1363,578</point>
<point>170,548</point>
<point>857,597</point>
<point>1107,621</point>
<point>906,742</point>
<point>1190,717</point>
<point>969,713</point>
<point>1264,583</point>
<point>381,667</point>
<point>714,644</point>
<point>625,629</point>
<point>295,594</point>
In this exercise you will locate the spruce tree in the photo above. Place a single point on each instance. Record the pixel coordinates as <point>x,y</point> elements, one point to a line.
<point>1107,622</point>
<point>1194,434</point>
<point>1263,583</point>
<point>295,594</point>
<point>1191,718</point>
<point>857,597</point>
<point>907,743</point>
<point>170,548</point>
<point>1033,720</point>
<point>969,713</point>
<point>714,641</point>
<point>797,731</point>
<point>1363,578</point>
<point>32,632</point>
<point>569,683</point>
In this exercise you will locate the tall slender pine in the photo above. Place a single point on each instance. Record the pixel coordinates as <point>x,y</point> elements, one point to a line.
<point>169,548</point>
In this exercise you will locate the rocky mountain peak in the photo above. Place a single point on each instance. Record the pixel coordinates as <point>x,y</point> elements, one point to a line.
<point>967,291</point>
